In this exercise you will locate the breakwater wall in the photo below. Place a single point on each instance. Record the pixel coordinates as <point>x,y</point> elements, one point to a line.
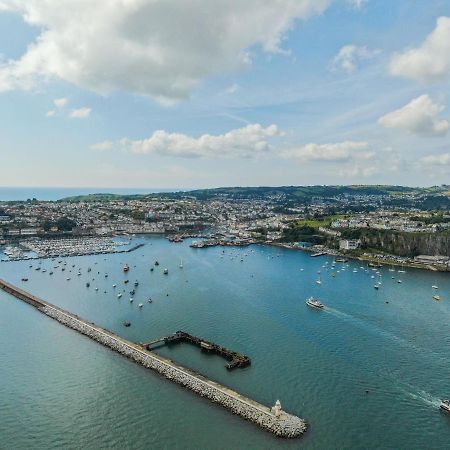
<point>282,424</point>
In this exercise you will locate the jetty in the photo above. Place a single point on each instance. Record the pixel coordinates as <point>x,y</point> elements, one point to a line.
<point>274,420</point>
<point>236,359</point>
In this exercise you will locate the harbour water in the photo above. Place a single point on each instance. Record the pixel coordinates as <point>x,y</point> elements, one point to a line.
<point>60,389</point>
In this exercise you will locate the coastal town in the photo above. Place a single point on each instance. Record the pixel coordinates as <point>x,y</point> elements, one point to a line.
<point>374,227</point>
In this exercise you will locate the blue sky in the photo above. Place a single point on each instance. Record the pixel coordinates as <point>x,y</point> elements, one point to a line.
<point>186,94</point>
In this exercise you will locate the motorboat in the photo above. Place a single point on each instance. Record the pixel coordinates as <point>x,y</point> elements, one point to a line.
<point>314,303</point>
<point>166,271</point>
<point>435,287</point>
<point>436,297</point>
<point>141,305</point>
<point>126,268</point>
<point>445,406</point>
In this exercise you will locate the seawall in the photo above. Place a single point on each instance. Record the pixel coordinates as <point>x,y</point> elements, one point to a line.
<point>285,425</point>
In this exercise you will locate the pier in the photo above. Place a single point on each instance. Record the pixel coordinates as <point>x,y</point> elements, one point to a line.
<point>274,420</point>
<point>236,359</point>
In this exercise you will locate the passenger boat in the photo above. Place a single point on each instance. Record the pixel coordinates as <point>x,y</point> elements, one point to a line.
<point>445,406</point>
<point>314,303</point>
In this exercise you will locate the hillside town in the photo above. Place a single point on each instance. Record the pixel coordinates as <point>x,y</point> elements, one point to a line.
<point>322,224</point>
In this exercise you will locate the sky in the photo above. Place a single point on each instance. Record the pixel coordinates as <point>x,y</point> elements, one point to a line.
<point>205,93</point>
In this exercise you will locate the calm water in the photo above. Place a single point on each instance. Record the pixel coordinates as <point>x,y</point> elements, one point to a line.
<point>60,389</point>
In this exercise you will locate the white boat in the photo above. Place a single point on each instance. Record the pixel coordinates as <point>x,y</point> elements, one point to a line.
<point>166,271</point>
<point>445,406</point>
<point>141,305</point>
<point>436,297</point>
<point>435,287</point>
<point>131,300</point>
<point>319,281</point>
<point>399,281</point>
<point>119,295</point>
<point>181,264</point>
<point>314,303</point>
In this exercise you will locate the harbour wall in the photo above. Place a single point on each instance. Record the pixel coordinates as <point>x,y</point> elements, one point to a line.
<point>285,425</point>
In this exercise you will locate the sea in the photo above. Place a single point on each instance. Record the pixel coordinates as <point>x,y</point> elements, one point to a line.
<point>367,372</point>
<point>57,193</point>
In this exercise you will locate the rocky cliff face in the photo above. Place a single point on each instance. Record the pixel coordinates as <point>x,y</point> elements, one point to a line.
<point>408,244</point>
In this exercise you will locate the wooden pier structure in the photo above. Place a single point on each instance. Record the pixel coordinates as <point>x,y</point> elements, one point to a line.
<point>236,359</point>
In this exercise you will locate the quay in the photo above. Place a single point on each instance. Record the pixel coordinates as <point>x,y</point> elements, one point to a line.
<point>274,419</point>
<point>236,359</point>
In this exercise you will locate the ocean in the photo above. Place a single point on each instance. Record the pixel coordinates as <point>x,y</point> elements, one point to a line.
<point>368,372</point>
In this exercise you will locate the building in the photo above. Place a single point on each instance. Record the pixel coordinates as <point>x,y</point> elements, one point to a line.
<point>349,244</point>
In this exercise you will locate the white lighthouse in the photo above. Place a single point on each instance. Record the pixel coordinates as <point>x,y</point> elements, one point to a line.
<point>277,409</point>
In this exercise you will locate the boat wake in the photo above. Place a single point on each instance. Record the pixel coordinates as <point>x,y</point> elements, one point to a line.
<point>376,330</point>
<point>422,396</point>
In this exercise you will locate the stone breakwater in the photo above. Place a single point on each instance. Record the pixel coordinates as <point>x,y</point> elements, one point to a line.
<point>286,425</point>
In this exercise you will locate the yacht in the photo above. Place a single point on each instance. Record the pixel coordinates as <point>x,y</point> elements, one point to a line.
<point>314,303</point>
<point>445,406</point>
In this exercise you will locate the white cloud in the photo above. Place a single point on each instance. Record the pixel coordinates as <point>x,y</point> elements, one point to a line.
<point>437,160</point>
<point>80,113</point>
<point>158,48</point>
<point>103,146</point>
<point>349,56</point>
<point>346,151</point>
<point>60,102</point>
<point>245,142</point>
<point>232,89</point>
<point>430,61</point>
<point>358,4</point>
<point>419,116</point>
